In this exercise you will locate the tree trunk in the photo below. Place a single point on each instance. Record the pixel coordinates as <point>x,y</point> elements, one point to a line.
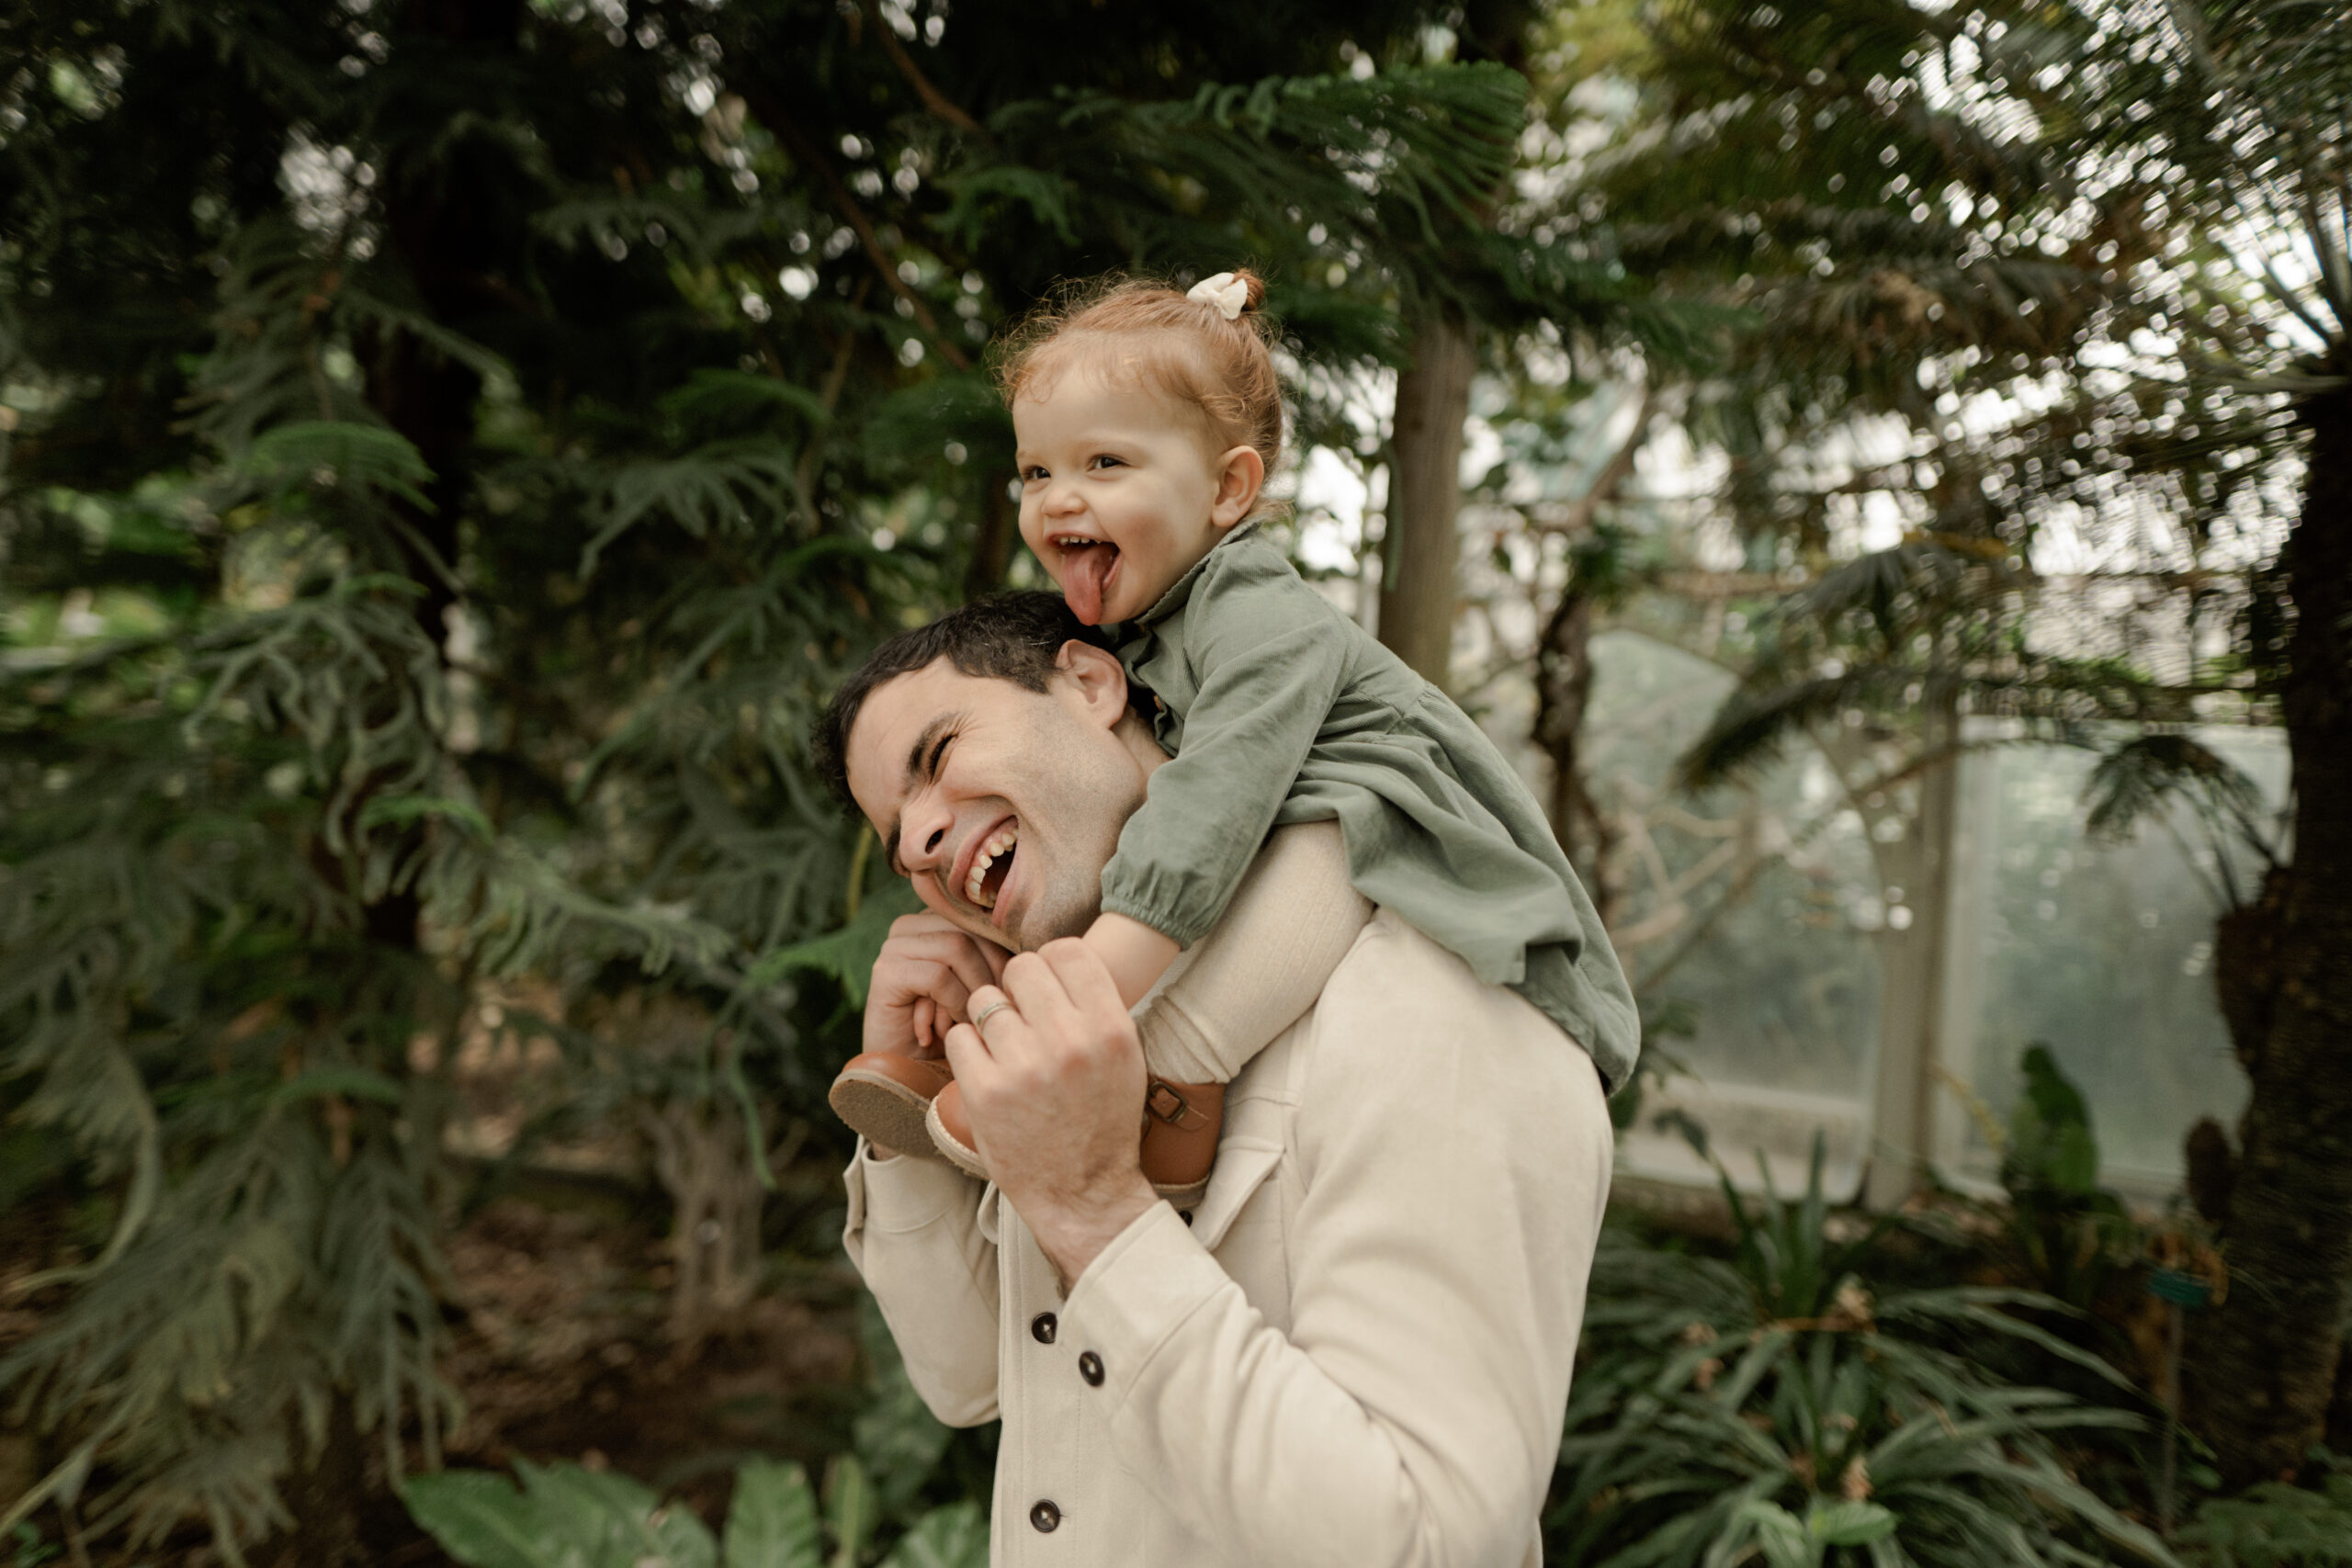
<point>1563,693</point>
<point>1417,583</point>
<point>439,223</point>
<point>2263,1365</point>
<point>992,543</point>
<point>1563,673</point>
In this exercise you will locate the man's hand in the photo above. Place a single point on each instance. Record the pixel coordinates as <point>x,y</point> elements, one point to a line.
<point>1054,1084</point>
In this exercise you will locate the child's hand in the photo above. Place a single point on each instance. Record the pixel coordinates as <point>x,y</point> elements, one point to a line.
<point>1134,953</point>
<point>923,979</point>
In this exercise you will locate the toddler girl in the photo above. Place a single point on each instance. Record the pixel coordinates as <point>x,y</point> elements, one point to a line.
<point>1146,421</point>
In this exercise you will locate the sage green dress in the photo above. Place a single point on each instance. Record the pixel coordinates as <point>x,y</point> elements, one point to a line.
<point>1276,708</point>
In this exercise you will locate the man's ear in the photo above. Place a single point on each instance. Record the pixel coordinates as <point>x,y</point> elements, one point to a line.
<point>1095,679</point>
<point>1240,476</point>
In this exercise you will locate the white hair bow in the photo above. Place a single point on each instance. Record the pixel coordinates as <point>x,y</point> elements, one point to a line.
<point>1229,294</point>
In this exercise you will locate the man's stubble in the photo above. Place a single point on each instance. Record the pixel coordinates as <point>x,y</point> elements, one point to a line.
<point>1086,788</point>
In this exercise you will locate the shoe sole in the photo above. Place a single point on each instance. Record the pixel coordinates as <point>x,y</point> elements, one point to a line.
<point>887,1112</point>
<point>945,1145</point>
<point>1187,1197</point>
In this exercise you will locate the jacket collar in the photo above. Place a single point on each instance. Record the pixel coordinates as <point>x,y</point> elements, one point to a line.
<point>1181,590</point>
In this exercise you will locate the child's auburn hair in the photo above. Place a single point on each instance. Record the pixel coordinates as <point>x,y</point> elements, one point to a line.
<point>1154,332</point>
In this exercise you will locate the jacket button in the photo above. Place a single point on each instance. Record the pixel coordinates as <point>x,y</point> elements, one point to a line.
<point>1090,1367</point>
<point>1046,1516</point>
<point>1043,1327</point>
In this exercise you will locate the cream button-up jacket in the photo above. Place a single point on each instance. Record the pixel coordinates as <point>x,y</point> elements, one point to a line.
<point>1356,1353</point>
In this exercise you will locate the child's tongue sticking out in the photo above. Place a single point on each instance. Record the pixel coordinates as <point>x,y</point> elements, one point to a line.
<point>1086,578</point>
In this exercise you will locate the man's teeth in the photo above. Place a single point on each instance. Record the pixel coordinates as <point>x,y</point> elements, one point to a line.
<point>974,888</point>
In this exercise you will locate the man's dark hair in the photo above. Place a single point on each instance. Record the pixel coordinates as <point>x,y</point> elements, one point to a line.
<point>1013,636</point>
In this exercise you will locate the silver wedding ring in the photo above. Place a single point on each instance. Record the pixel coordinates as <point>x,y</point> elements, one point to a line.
<point>981,1018</point>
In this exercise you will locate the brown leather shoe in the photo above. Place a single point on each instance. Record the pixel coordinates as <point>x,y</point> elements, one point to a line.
<point>885,1096</point>
<point>949,1130</point>
<point>1181,1125</point>
<point>1182,1122</point>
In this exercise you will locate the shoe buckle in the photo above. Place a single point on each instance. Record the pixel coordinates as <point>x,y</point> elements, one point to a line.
<point>1162,1100</point>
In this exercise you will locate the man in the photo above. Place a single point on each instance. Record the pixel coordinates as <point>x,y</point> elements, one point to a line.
<point>1356,1351</point>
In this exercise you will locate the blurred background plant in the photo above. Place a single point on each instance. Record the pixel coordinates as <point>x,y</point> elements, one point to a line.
<point>566,1515</point>
<point>2276,1525</point>
<point>1777,1402</point>
<point>1879,469</point>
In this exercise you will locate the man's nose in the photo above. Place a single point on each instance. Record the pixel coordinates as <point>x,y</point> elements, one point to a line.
<point>923,841</point>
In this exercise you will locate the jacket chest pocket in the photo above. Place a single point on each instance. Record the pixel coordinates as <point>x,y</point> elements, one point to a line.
<point>1240,1221</point>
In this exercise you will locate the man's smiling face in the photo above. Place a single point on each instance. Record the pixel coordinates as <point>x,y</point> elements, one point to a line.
<point>1001,804</point>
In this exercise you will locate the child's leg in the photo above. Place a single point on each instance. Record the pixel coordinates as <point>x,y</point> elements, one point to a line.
<point>1290,922</point>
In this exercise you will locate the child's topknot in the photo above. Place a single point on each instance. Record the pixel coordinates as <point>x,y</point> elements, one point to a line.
<point>1150,329</point>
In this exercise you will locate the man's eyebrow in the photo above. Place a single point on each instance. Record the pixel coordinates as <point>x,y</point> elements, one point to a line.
<point>917,769</point>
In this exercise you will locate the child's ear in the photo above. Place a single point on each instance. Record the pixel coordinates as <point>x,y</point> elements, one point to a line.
<point>1241,474</point>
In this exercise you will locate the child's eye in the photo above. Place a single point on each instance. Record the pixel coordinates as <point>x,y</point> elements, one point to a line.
<point>1030,474</point>
<point>1105,460</point>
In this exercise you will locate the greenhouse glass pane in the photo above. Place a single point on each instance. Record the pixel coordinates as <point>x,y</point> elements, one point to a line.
<point>2103,951</point>
<point>1770,965</point>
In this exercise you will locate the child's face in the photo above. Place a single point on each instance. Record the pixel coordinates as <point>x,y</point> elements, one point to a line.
<point>1122,489</point>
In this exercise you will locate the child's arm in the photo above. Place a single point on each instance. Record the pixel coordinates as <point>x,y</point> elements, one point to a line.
<point>1291,921</point>
<point>1260,644</point>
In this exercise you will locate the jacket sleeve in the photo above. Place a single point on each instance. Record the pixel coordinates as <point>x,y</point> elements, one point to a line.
<point>915,1235</point>
<point>1269,672</point>
<point>1456,1163</point>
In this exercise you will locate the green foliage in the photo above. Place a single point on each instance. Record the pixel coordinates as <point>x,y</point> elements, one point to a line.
<point>30,1550</point>
<point>2051,1147</point>
<point>2060,1231</point>
<point>1976,209</point>
<point>2143,776</point>
<point>564,1517</point>
<point>2273,1525</point>
<point>1775,1405</point>
<point>450,455</point>
<point>1788,1541</point>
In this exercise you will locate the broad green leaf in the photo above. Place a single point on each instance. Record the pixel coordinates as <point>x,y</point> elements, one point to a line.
<point>481,1520</point>
<point>954,1537</point>
<point>772,1522</point>
<point>1779,1535</point>
<point>1850,1524</point>
<point>600,1515</point>
<point>848,1510</point>
<point>674,1536</point>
